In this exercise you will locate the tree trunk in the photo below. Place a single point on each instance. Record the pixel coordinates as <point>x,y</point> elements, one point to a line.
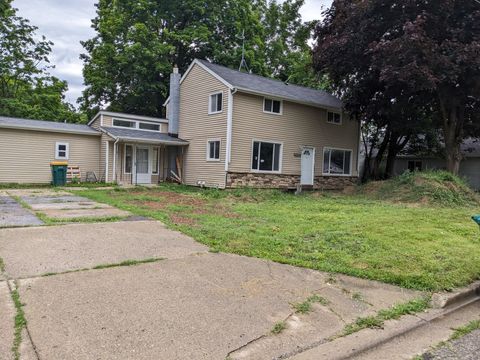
<point>394,148</point>
<point>453,119</point>
<point>380,154</point>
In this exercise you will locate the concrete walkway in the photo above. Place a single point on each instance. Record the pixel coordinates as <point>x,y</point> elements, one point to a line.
<point>13,214</point>
<point>193,304</point>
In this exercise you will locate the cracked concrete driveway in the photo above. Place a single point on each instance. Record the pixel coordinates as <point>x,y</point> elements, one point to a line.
<point>193,304</point>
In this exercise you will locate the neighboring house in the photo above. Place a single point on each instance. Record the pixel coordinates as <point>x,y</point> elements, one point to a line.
<point>248,130</point>
<point>225,129</point>
<point>469,166</point>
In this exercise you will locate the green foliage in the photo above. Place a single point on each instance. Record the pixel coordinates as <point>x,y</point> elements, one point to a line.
<point>279,327</point>
<point>440,188</point>
<point>20,324</point>
<point>337,233</point>
<point>137,42</point>
<point>395,312</point>
<point>26,88</point>
<point>464,330</point>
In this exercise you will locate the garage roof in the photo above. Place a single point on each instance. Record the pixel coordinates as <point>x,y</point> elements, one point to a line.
<point>49,126</point>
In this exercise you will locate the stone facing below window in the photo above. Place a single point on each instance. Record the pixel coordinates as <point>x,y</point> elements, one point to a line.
<point>272,181</point>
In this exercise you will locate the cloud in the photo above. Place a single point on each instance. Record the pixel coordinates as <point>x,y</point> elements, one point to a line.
<point>67,22</point>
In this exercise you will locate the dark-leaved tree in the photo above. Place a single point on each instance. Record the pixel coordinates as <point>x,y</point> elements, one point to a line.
<point>405,68</point>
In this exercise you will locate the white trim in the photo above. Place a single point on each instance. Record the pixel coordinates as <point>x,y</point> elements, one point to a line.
<point>280,164</point>
<point>228,150</point>
<point>114,167</point>
<point>67,150</point>
<point>313,164</point>
<point>126,116</point>
<point>106,160</point>
<point>209,159</point>
<point>210,112</point>
<point>272,112</point>
<point>125,159</point>
<point>101,120</point>
<point>333,122</point>
<point>329,160</point>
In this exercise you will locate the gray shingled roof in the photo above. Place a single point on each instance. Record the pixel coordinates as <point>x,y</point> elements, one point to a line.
<point>143,136</point>
<point>27,124</point>
<point>276,88</point>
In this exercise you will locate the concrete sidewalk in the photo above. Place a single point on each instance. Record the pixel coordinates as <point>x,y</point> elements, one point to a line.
<point>198,307</point>
<point>35,251</point>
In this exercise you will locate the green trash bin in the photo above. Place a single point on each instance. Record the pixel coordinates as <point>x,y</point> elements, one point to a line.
<point>59,173</point>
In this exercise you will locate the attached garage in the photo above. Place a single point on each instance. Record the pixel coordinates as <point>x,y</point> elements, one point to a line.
<point>29,146</point>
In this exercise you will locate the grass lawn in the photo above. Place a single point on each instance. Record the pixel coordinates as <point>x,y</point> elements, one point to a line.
<point>425,247</point>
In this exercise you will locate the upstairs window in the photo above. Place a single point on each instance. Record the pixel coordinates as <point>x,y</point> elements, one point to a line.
<point>149,126</point>
<point>213,150</point>
<point>61,151</point>
<point>337,161</point>
<point>124,123</point>
<point>266,156</point>
<point>215,103</point>
<point>272,106</point>
<point>334,118</point>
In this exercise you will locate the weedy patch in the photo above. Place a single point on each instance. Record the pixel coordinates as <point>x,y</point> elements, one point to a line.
<point>20,323</point>
<point>395,312</point>
<point>279,327</point>
<point>306,306</point>
<point>464,330</point>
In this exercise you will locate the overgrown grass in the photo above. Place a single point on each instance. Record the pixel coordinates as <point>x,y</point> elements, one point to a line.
<point>87,219</point>
<point>395,312</point>
<point>424,247</point>
<point>437,187</point>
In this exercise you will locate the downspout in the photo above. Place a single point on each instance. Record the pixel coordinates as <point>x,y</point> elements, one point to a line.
<point>106,162</point>
<point>115,160</point>
<point>228,155</point>
<point>228,152</point>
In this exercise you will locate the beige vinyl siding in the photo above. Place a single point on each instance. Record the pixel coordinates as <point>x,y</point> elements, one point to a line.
<point>298,125</point>
<point>197,126</point>
<point>25,155</point>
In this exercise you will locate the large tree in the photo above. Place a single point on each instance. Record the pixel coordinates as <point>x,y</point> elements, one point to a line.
<point>26,88</point>
<point>402,65</point>
<point>128,62</point>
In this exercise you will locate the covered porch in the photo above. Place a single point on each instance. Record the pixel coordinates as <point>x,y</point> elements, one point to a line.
<point>143,157</point>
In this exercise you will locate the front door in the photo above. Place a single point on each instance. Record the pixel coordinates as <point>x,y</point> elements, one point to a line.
<point>143,175</point>
<point>308,165</point>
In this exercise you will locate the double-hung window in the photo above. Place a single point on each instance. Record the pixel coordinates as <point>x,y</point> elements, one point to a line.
<point>337,161</point>
<point>61,151</point>
<point>334,118</point>
<point>272,106</point>
<point>266,156</point>
<point>215,103</point>
<point>213,150</point>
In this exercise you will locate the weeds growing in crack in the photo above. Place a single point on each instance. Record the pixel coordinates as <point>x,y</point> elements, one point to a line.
<point>306,306</point>
<point>20,323</point>
<point>395,312</point>
<point>279,327</point>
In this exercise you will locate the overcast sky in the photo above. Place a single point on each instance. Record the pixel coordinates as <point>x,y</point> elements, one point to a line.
<point>66,22</point>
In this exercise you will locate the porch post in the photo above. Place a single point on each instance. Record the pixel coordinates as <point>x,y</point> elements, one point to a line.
<point>114,176</point>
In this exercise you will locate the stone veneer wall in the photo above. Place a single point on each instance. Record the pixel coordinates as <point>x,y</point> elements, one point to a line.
<point>260,180</point>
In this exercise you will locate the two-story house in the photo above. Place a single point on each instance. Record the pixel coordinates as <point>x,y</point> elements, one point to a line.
<point>224,129</point>
<point>248,130</point>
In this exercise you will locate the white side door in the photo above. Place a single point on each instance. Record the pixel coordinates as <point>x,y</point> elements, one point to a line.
<point>307,165</point>
<point>142,165</point>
